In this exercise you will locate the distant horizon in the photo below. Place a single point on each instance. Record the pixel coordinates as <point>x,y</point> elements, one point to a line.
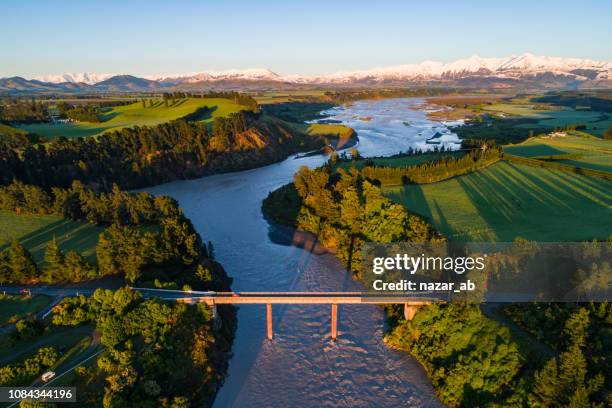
<point>146,38</point>
<point>254,69</point>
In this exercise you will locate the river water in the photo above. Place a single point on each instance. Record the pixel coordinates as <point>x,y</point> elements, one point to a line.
<point>301,366</point>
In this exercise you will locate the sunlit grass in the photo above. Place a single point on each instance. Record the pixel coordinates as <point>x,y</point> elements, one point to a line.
<point>507,200</point>
<point>135,114</point>
<point>35,231</point>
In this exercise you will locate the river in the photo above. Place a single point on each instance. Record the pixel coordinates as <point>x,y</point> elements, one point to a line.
<point>301,366</point>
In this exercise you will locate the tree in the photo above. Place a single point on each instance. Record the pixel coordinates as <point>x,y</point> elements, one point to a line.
<point>77,268</point>
<point>55,261</point>
<point>204,274</point>
<point>5,268</point>
<point>22,263</point>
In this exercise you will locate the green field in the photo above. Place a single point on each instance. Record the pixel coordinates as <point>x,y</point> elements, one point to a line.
<point>550,116</point>
<point>15,305</point>
<point>134,114</point>
<point>516,109</point>
<point>68,340</point>
<point>586,152</point>
<point>35,231</point>
<point>596,122</point>
<point>288,96</point>
<point>507,200</point>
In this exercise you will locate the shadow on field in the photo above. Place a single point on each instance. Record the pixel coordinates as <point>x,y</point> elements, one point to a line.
<point>534,150</point>
<point>71,235</point>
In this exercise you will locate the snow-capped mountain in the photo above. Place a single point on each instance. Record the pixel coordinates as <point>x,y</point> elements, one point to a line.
<point>89,78</point>
<point>250,74</point>
<point>525,65</point>
<point>514,67</point>
<point>526,70</point>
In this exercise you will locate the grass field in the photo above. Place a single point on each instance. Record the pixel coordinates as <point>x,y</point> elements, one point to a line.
<point>554,117</point>
<point>35,231</point>
<point>68,340</point>
<point>587,152</point>
<point>515,109</point>
<point>15,305</point>
<point>596,122</point>
<point>288,96</point>
<point>134,114</point>
<point>400,161</point>
<point>507,200</point>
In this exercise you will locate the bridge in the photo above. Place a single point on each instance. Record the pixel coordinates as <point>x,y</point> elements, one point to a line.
<point>411,303</point>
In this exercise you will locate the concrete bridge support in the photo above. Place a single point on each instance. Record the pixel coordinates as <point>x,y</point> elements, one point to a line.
<point>334,321</point>
<point>410,311</point>
<point>269,316</point>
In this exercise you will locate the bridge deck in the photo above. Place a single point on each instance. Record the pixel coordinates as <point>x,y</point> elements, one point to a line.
<point>291,297</point>
<point>302,300</point>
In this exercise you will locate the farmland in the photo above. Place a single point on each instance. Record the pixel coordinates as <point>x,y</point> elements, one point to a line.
<point>135,114</point>
<point>586,152</point>
<point>507,200</point>
<point>35,231</point>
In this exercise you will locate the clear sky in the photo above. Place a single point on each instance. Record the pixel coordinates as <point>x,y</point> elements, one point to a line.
<point>305,37</point>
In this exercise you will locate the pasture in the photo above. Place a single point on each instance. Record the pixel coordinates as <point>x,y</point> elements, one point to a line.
<point>506,201</point>
<point>135,114</point>
<point>266,98</point>
<point>35,231</point>
<point>14,307</point>
<point>586,152</point>
<point>515,109</point>
<point>549,116</point>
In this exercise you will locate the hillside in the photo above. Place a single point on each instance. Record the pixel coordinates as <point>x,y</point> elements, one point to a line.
<point>121,117</point>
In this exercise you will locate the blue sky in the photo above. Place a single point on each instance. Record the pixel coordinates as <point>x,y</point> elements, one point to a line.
<point>306,37</point>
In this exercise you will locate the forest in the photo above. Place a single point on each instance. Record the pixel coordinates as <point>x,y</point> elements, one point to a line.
<point>344,209</point>
<point>157,354</point>
<point>143,156</point>
<point>473,360</point>
<point>147,239</point>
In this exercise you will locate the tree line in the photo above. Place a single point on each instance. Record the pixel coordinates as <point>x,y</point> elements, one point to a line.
<point>435,170</point>
<point>142,156</point>
<point>22,111</point>
<point>240,98</point>
<point>79,113</point>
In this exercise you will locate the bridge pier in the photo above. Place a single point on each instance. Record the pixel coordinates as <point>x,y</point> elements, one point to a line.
<point>334,321</point>
<point>269,318</point>
<point>410,311</point>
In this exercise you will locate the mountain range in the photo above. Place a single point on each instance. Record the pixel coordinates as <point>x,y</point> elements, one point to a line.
<point>525,70</point>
